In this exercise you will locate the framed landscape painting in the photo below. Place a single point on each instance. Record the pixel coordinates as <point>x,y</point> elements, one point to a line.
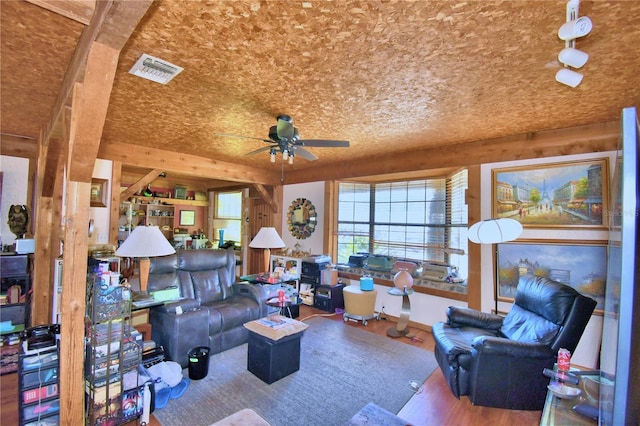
<point>553,195</point>
<point>581,265</point>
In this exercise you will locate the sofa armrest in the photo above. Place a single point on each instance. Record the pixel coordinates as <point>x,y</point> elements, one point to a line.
<point>460,317</point>
<point>254,292</point>
<point>501,346</point>
<point>169,307</point>
<point>508,373</point>
<point>179,333</point>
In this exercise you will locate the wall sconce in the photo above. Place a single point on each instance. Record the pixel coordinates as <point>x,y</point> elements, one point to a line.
<point>570,56</point>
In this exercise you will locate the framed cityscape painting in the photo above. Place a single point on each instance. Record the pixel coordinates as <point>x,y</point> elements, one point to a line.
<point>581,265</point>
<point>553,195</point>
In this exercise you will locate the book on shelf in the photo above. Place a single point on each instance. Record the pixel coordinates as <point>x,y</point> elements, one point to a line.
<point>275,326</point>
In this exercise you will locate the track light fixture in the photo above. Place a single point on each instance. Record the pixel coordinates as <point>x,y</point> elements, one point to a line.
<point>571,57</point>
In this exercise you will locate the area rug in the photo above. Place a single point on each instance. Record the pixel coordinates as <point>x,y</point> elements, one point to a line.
<point>342,369</point>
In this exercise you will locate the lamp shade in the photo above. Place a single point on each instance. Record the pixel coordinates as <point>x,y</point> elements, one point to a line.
<point>145,241</point>
<point>493,231</point>
<point>267,237</point>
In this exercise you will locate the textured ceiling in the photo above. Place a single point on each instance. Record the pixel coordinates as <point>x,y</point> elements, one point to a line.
<point>388,76</point>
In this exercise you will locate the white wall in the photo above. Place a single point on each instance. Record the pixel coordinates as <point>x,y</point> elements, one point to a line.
<point>314,192</point>
<point>100,215</point>
<point>14,191</point>
<point>15,181</point>
<point>425,309</point>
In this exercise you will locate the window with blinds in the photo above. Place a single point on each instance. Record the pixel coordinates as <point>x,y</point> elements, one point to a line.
<point>420,220</point>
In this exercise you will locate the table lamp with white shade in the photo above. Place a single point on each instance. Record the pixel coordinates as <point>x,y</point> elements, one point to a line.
<point>145,242</point>
<point>267,238</point>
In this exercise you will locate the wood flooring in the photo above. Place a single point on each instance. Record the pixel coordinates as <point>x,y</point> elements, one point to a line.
<point>433,404</point>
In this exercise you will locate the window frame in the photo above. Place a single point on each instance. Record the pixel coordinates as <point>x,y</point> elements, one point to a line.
<point>453,207</point>
<point>226,219</point>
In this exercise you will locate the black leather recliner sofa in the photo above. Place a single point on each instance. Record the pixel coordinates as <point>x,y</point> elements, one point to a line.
<point>498,361</point>
<point>214,307</point>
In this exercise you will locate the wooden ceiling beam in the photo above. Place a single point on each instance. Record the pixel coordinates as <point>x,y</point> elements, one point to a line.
<point>119,18</point>
<point>18,146</point>
<point>77,10</point>
<point>549,143</point>
<point>141,183</point>
<point>54,154</point>
<point>187,164</point>
<point>88,117</point>
<point>266,197</point>
<point>225,187</point>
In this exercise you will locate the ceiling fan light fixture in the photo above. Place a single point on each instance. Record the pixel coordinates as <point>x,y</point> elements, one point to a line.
<point>285,138</point>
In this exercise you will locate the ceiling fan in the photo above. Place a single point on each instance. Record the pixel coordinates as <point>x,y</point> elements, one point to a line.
<point>284,138</point>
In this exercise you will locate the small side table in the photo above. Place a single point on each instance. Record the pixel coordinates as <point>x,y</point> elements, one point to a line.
<point>401,330</point>
<point>359,305</point>
<point>559,411</point>
<point>288,308</point>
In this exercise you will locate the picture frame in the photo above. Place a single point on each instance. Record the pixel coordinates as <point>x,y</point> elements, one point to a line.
<point>187,217</point>
<point>564,195</point>
<point>98,194</point>
<point>579,264</point>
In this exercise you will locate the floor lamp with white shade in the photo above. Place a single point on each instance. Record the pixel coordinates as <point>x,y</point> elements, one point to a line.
<point>494,231</point>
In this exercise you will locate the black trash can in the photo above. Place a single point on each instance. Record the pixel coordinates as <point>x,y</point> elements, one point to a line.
<point>198,362</point>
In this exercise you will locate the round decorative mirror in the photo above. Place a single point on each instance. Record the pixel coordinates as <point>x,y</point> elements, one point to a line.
<point>302,218</point>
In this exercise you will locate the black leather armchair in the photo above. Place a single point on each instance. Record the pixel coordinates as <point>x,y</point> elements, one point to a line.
<point>498,361</point>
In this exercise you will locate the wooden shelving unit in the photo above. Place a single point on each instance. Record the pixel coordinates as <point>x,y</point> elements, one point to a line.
<point>178,201</point>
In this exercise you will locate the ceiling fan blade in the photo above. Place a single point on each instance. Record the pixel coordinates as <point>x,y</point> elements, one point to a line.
<point>324,143</point>
<point>301,152</point>
<point>227,135</point>
<point>285,128</point>
<point>257,151</point>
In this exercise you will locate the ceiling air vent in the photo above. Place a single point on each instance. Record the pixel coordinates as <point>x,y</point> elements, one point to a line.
<point>155,69</point>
